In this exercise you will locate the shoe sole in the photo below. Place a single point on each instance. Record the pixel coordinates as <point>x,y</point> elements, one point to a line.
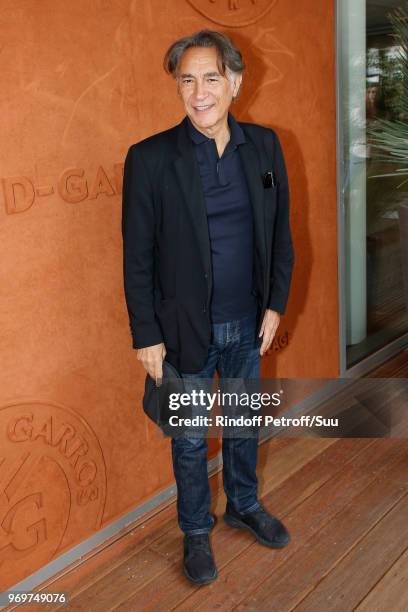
<point>233,522</point>
<point>197,580</point>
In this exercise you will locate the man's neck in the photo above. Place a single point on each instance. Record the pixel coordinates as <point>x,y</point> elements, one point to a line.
<point>220,133</point>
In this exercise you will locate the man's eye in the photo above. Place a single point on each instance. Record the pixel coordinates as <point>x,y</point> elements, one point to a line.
<point>213,80</point>
<point>186,81</point>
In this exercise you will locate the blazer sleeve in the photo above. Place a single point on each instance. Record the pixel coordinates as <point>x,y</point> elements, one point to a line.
<point>138,232</point>
<point>282,250</point>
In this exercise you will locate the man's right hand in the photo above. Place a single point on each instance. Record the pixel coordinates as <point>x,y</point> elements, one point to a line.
<point>151,358</point>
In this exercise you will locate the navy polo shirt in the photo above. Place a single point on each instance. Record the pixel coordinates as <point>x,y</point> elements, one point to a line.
<point>230,224</point>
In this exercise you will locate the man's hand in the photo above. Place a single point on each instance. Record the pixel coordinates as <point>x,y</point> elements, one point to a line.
<point>268,329</point>
<point>151,358</point>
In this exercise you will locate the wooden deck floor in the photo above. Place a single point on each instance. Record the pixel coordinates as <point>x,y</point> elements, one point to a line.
<point>345,504</point>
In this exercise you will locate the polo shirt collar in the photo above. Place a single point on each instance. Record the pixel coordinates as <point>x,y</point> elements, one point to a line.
<point>237,133</point>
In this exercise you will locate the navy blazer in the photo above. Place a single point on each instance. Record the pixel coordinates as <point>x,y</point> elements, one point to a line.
<point>166,247</point>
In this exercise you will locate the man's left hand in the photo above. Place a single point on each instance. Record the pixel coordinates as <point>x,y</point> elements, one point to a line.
<point>268,329</point>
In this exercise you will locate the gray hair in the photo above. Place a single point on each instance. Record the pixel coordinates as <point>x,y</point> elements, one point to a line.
<point>228,56</point>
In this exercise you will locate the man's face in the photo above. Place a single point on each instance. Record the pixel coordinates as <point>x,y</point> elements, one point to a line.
<point>205,92</point>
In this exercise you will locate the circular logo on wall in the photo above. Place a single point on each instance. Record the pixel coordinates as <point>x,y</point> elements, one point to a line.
<point>233,13</point>
<point>52,485</point>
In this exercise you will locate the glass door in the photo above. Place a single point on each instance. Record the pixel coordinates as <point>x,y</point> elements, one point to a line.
<point>372,218</point>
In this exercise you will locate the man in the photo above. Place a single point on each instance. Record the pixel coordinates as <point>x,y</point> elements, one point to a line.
<point>208,260</point>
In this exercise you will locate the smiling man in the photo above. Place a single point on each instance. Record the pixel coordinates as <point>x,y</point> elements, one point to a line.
<point>208,260</point>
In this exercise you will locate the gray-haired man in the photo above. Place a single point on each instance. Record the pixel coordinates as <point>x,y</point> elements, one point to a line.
<point>208,261</point>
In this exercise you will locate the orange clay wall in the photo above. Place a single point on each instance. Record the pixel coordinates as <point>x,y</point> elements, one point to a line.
<point>81,81</point>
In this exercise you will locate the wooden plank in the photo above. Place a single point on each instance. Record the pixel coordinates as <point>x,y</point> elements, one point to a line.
<point>121,551</point>
<point>291,582</point>
<point>102,560</point>
<point>397,367</point>
<point>243,574</point>
<point>172,539</point>
<point>227,543</point>
<point>100,564</point>
<point>165,589</point>
<point>276,463</point>
<point>79,577</point>
<point>349,582</point>
<point>120,582</point>
<point>391,592</point>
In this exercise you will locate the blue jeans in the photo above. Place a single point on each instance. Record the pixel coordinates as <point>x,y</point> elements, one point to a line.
<point>234,353</point>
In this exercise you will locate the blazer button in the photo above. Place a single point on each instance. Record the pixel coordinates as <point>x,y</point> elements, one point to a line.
<point>206,275</point>
<point>204,309</point>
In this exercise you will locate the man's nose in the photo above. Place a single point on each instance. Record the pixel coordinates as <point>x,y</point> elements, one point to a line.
<point>200,89</point>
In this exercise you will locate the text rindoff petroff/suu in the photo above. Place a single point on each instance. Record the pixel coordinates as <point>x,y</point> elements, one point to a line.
<point>257,420</point>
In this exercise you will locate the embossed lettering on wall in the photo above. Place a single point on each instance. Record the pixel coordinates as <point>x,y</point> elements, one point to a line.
<point>52,485</point>
<point>73,185</point>
<point>233,13</point>
<point>279,342</point>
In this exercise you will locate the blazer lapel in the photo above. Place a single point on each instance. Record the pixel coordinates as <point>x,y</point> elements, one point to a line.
<point>188,175</point>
